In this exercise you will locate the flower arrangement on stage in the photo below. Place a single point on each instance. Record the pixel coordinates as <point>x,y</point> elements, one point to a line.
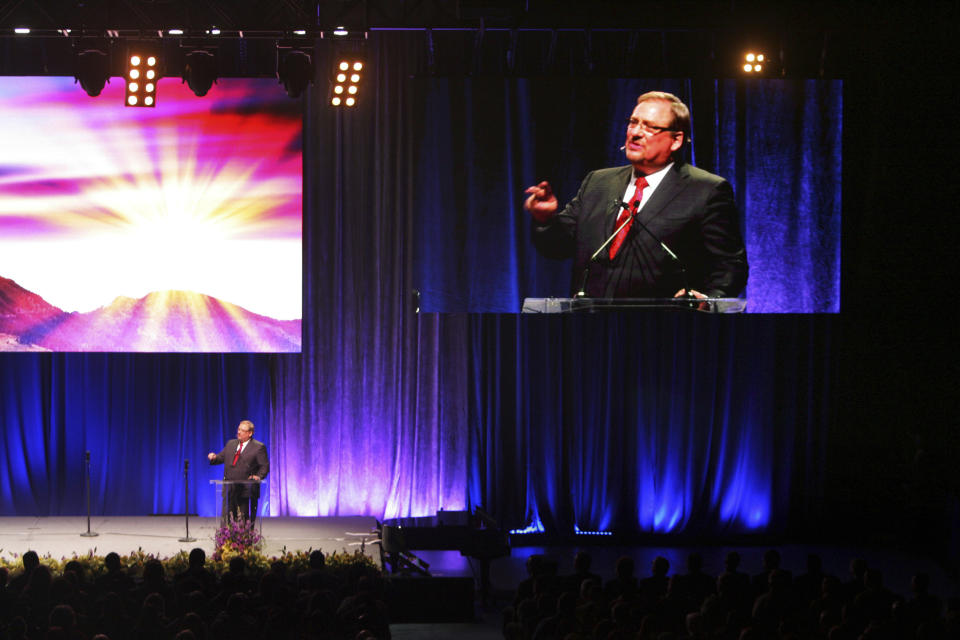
<point>346,564</point>
<point>237,537</point>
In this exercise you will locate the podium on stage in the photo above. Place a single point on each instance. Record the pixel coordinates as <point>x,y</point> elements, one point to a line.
<point>602,305</point>
<point>222,489</point>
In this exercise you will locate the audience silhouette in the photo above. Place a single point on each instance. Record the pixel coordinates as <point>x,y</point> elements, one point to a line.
<point>696,606</point>
<point>195,605</point>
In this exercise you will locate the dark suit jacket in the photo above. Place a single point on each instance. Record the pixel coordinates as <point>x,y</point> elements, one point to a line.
<point>253,462</point>
<point>693,212</point>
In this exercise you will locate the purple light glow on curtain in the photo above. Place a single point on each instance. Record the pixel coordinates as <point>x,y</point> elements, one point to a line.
<point>370,419</point>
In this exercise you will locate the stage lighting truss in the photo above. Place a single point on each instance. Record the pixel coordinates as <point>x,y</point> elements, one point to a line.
<point>143,72</point>
<point>348,74</point>
<point>754,62</point>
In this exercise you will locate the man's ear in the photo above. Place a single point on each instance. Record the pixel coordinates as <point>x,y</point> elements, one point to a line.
<point>677,141</point>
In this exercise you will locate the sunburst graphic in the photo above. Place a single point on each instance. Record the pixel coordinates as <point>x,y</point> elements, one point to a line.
<point>200,196</point>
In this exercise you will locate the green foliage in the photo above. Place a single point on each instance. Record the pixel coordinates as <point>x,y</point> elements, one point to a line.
<point>347,565</point>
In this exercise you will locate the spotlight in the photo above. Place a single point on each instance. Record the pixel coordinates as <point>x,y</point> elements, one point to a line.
<point>753,62</point>
<point>295,72</point>
<point>141,94</point>
<point>92,71</point>
<point>200,72</point>
<point>346,78</point>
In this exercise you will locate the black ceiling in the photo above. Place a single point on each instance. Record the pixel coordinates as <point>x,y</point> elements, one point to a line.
<point>279,15</point>
<point>684,37</point>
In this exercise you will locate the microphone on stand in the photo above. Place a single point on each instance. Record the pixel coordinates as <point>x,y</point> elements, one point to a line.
<point>582,293</point>
<point>86,464</point>
<point>668,250</point>
<point>633,216</point>
<point>186,501</point>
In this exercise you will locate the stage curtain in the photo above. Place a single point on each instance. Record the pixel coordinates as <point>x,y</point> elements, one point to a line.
<point>779,142</point>
<point>369,419</point>
<point>659,424</point>
<point>140,416</point>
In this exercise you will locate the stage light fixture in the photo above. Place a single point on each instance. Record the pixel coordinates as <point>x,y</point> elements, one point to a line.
<point>753,62</point>
<point>92,71</point>
<point>140,79</point>
<point>200,71</point>
<point>345,83</point>
<point>295,72</point>
<point>21,31</point>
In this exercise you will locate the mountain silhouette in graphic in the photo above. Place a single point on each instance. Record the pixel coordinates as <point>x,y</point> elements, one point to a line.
<point>161,321</point>
<point>23,312</point>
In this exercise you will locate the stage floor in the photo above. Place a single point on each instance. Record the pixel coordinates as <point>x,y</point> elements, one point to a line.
<point>160,535</point>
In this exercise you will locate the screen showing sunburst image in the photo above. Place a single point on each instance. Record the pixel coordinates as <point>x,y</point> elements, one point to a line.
<point>167,229</point>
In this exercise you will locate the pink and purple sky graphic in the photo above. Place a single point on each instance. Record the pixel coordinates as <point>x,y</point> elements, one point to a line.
<point>197,195</point>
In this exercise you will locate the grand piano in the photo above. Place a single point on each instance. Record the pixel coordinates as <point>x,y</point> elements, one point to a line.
<point>474,534</point>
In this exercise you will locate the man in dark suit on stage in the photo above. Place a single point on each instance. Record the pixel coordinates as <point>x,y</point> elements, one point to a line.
<point>688,210</point>
<point>244,459</point>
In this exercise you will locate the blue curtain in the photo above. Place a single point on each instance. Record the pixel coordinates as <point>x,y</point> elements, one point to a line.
<point>667,424</point>
<point>651,423</point>
<point>139,416</point>
<point>779,142</point>
<point>369,416</point>
<point>484,140</point>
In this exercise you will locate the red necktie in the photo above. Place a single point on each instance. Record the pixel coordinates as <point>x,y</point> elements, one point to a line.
<point>237,455</point>
<point>625,213</point>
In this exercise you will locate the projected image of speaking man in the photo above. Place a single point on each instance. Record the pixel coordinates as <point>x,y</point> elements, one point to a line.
<point>680,210</point>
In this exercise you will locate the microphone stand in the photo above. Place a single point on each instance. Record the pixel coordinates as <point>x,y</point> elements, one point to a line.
<point>186,502</point>
<point>633,217</point>
<point>88,534</point>
<point>582,293</point>
<point>673,256</point>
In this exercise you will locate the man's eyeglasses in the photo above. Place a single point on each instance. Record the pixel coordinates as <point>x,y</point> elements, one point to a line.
<point>646,128</point>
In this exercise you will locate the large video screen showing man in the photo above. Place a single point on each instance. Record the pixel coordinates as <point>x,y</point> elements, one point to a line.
<point>750,203</point>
